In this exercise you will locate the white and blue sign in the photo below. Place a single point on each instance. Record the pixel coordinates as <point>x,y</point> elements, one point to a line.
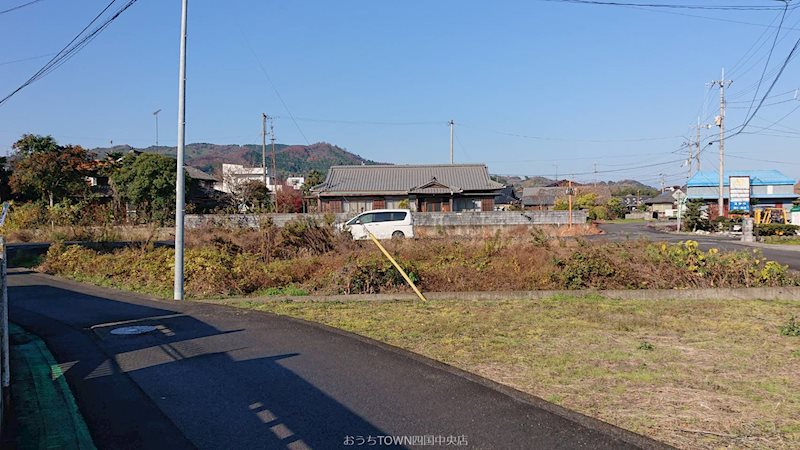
<point>740,206</point>
<point>739,188</point>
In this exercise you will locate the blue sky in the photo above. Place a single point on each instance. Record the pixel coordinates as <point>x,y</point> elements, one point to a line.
<point>614,86</point>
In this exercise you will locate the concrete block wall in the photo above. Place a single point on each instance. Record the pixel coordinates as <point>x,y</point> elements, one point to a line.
<point>250,220</point>
<point>448,219</point>
<point>497,218</point>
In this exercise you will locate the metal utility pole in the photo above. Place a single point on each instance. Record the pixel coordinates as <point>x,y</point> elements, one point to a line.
<point>451,123</point>
<point>274,166</point>
<point>595,174</point>
<point>723,83</point>
<point>179,182</point>
<point>264,146</point>
<point>156,116</point>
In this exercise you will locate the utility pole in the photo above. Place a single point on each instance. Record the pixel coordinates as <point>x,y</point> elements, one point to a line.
<point>179,182</point>
<point>696,143</point>
<point>569,192</point>
<point>156,116</point>
<point>723,83</point>
<point>451,123</point>
<point>274,167</point>
<point>595,174</point>
<point>264,146</point>
<point>662,181</point>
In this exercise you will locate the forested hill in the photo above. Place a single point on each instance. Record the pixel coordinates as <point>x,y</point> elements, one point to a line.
<point>290,159</point>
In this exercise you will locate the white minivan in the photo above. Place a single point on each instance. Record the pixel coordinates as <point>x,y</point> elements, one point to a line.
<point>383,223</point>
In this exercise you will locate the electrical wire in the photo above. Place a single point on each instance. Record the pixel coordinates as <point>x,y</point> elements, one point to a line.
<point>19,7</point>
<point>671,5</point>
<point>73,47</point>
<point>274,88</point>
<point>14,61</point>
<point>548,138</point>
<point>769,57</point>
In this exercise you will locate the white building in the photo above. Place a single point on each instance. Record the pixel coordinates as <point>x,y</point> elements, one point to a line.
<point>234,175</point>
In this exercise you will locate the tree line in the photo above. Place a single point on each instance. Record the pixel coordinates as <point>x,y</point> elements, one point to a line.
<point>56,180</point>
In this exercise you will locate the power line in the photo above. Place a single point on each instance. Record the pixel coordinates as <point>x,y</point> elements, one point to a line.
<point>364,122</point>
<point>274,88</point>
<point>671,5</point>
<point>769,56</point>
<point>19,7</point>
<point>549,138</point>
<point>14,61</point>
<point>73,47</point>
<point>765,160</point>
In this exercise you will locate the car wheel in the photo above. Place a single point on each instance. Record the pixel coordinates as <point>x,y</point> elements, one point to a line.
<point>398,235</point>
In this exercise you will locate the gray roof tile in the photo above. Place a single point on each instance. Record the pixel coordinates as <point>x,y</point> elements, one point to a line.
<point>400,179</point>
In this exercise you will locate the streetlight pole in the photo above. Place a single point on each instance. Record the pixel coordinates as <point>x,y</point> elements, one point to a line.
<point>179,181</point>
<point>156,116</point>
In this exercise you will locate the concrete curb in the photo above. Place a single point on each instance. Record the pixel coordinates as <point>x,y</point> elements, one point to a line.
<point>761,293</point>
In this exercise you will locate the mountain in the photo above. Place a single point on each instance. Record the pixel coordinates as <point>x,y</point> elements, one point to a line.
<point>289,159</point>
<point>619,188</point>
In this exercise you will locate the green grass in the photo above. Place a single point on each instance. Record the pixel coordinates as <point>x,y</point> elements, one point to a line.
<point>782,240</point>
<point>284,290</point>
<point>655,367</point>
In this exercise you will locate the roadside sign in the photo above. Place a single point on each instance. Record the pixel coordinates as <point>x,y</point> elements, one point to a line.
<point>739,188</point>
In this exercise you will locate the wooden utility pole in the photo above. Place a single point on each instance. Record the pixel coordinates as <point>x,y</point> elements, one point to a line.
<point>723,83</point>
<point>569,194</point>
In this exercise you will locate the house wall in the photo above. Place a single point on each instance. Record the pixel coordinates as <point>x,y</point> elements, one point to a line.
<point>662,207</point>
<point>354,205</point>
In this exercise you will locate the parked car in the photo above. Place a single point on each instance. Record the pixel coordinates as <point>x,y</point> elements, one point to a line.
<point>382,223</point>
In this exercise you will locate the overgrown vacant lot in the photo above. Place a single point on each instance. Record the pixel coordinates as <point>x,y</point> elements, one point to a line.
<point>305,257</point>
<point>695,374</point>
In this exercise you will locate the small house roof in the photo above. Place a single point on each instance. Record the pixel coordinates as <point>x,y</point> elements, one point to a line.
<point>403,179</point>
<point>662,198</point>
<point>197,174</point>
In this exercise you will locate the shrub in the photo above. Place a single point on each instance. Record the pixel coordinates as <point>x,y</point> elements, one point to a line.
<point>585,268</point>
<point>646,346</point>
<point>791,328</point>
<point>305,233</point>
<point>374,275</point>
<point>777,229</point>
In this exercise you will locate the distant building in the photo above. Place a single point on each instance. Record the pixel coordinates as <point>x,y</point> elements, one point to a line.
<point>234,175</point>
<point>542,198</point>
<point>768,189</point>
<point>506,199</point>
<point>425,188</point>
<point>631,202</point>
<point>665,204</point>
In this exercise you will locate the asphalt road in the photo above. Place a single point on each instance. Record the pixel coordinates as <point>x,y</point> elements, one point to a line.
<point>214,377</point>
<point>616,231</point>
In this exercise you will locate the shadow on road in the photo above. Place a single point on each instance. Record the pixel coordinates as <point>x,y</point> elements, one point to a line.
<point>204,386</point>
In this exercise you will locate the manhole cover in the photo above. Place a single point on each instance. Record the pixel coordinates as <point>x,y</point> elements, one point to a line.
<point>137,329</point>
